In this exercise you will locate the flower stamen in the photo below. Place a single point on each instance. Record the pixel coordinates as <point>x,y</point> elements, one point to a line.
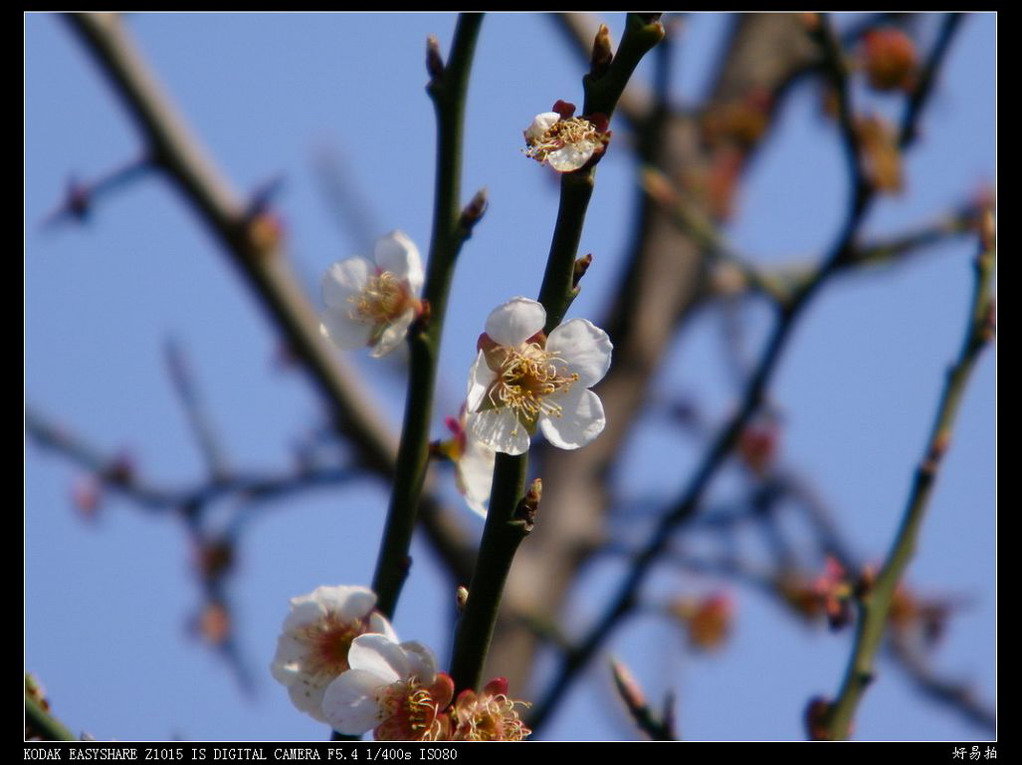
<point>526,377</point>
<point>411,714</point>
<point>576,131</point>
<point>383,299</point>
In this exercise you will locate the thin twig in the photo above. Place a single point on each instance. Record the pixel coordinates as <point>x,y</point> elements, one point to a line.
<point>116,475</point>
<point>448,89</point>
<point>955,695</point>
<point>80,198</point>
<point>874,603</point>
<point>927,78</point>
<point>198,416</point>
<point>658,728</point>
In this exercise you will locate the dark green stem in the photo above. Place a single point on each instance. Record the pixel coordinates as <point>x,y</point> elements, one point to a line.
<point>447,89</point>
<point>917,99</point>
<point>603,93</point>
<point>501,536</point>
<point>556,292</point>
<point>874,604</point>
<point>504,531</point>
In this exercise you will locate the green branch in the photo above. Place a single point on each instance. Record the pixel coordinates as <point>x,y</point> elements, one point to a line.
<point>504,531</point>
<point>875,602</point>
<point>40,723</point>
<point>447,89</point>
<point>505,527</point>
<point>604,89</point>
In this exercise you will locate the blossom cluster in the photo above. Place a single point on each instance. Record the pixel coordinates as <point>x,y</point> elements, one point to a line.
<point>339,658</point>
<point>522,380</point>
<point>342,664</point>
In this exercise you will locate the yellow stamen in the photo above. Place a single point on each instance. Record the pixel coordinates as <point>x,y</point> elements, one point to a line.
<point>383,299</point>
<point>573,131</point>
<point>526,376</point>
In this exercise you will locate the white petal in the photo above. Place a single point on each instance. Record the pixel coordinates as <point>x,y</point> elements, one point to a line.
<point>380,655</point>
<point>343,280</point>
<point>542,123</point>
<point>305,609</point>
<point>351,702</point>
<point>289,651</point>
<point>475,474</point>
<point>350,603</point>
<point>571,156</point>
<point>393,334</point>
<point>516,321</point>
<point>337,326</point>
<point>480,377</point>
<point>378,623</point>
<point>584,347</point>
<point>421,662</point>
<point>307,698</point>
<point>580,422</point>
<point>499,429</point>
<point>398,254</point>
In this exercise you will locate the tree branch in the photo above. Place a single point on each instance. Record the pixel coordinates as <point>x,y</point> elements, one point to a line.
<point>261,264</point>
<point>874,603</point>
<point>448,89</point>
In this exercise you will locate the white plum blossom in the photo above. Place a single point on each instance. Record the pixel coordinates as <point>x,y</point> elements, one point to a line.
<point>522,379</point>
<point>312,650</point>
<point>392,689</point>
<point>373,304</point>
<point>564,143</point>
<point>473,463</point>
<point>474,474</point>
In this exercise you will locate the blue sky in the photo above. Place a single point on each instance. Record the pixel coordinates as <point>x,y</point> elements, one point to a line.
<point>107,602</point>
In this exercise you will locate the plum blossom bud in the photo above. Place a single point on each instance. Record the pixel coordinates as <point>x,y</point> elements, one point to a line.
<point>602,55</point>
<point>434,61</point>
<point>708,619</point>
<point>758,445</point>
<point>889,58</point>
<point>834,590</point>
<point>880,154</point>
<point>214,623</point>
<point>627,686</point>
<point>816,714</point>
<point>86,495</point>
